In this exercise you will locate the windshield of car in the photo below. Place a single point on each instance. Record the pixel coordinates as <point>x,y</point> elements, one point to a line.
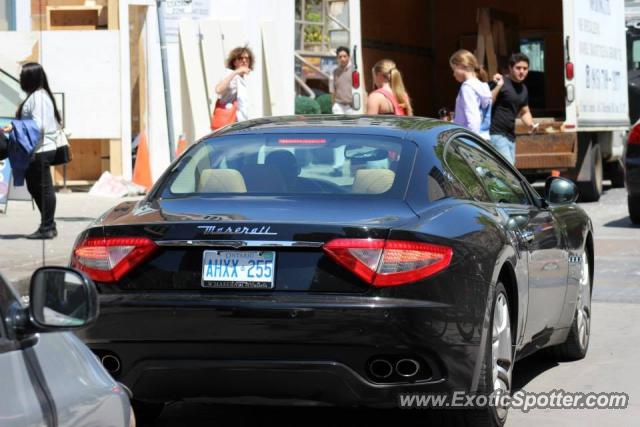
<point>293,164</point>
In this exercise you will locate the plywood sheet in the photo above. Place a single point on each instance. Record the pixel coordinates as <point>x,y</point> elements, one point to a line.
<point>273,95</point>
<point>192,69</point>
<point>234,34</point>
<point>89,77</point>
<point>213,56</point>
<point>87,161</point>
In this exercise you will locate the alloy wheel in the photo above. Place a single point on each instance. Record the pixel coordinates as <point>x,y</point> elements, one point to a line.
<point>583,313</point>
<point>501,351</point>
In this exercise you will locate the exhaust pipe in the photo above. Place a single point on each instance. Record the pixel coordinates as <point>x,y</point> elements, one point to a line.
<point>407,367</point>
<point>111,363</point>
<point>381,368</point>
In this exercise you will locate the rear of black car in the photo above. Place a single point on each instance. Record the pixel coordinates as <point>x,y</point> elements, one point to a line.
<point>300,275</point>
<point>632,173</point>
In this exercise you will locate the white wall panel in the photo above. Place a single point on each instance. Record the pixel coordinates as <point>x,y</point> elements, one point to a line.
<point>85,66</point>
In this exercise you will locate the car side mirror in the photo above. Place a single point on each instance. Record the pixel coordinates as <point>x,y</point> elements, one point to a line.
<point>517,222</point>
<point>560,191</point>
<point>62,298</point>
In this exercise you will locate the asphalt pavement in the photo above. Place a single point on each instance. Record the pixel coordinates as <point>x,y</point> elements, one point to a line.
<point>20,256</point>
<point>610,366</point>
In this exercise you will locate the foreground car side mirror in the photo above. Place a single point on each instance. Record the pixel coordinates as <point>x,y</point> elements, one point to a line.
<point>61,298</point>
<point>560,191</point>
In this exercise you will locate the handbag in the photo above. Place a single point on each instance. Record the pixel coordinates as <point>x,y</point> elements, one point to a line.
<point>4,147</point>
<point>63,149</point>
<point>224,114</point>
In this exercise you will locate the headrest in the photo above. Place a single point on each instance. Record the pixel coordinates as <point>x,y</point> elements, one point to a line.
<point>373,181</point>
<point>260,179</point>
<point>284,161</point>
<point>221,181</point>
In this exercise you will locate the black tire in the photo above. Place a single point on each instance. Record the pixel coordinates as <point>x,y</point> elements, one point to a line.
<point>572,349</point>
<point>146,412</point>
<point>633,202</point>
<point>615,172</point>
<point>488,417</point>
<point>590,191</point>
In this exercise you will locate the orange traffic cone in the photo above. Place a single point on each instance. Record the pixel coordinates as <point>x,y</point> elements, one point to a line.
<point>142,168</point>
<point>182,145</point>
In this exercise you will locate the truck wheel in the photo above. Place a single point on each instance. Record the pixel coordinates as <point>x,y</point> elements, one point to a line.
<point>634,209</point>
<point>590,191</point>
<point>615,172</point>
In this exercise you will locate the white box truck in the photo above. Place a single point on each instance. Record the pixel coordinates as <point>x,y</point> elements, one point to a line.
<point>577,81</point>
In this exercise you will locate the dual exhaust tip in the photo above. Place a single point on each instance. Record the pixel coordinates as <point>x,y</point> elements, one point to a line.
<point>379,368</point>
<point>111,363</point>
<point>383,368</point>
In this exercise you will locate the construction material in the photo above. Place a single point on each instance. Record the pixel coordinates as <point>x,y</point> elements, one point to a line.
<point>73,17</point>
<point>115,186</point>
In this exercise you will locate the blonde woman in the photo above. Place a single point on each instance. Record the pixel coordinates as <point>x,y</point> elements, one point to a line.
<point>390,96</point>
<point>473,104</point>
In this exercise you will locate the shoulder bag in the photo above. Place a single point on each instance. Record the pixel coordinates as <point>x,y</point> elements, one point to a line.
<point>63,149</point>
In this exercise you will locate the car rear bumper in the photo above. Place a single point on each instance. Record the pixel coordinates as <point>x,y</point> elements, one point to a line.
<point>305,348</point>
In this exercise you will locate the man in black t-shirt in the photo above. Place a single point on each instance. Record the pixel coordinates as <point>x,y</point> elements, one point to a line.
<point>510,101</point>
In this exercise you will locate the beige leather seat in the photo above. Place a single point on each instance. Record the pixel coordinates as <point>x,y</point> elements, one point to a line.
<point>373,181</point>
<point>221,181</point>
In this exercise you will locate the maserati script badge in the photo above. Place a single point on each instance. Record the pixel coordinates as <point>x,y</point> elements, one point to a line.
<point>215,230</point>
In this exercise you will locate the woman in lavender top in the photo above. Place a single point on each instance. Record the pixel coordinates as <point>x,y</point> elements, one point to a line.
<point>473,104</point>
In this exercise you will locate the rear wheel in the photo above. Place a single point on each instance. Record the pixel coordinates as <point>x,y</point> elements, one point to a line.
<point>590,191</point>
<point>577,343</point>
<point>497,368</point>
<point>634,209</point>
<point>615,172</point>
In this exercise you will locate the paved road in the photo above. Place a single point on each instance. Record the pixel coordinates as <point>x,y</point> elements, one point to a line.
<point>19,256</point>
<point>611,364</point>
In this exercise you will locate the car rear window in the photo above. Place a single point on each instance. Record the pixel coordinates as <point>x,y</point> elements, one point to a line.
<point>290,164</point>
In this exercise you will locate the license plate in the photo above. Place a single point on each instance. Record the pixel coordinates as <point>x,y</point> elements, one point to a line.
<point>238,269</point>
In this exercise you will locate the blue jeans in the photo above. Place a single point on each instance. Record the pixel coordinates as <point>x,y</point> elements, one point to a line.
<point>504,146</point>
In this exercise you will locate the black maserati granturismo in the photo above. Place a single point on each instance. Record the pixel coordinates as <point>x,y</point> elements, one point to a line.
<point>338,260</point>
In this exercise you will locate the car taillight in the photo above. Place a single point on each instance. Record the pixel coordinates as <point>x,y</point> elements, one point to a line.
<point>109,259</point>
<point>389,262</point>
<point>568,69</point>
<point>355,79</point>
<point>634,136</point>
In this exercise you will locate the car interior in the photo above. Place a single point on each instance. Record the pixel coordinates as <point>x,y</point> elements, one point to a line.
<point>291,170</point>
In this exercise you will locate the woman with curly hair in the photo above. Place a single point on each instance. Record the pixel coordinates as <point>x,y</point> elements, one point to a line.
<point>232,89</point>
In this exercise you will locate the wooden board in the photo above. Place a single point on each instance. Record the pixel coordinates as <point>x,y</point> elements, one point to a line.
<point>73,17</point>
<point>87,161</point>
<point>192,68</point>
<point>546,151</point>
<point>113,22</point>
<point>213,57</point>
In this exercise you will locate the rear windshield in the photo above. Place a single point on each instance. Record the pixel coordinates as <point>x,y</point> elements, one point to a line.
<point>293,164</point>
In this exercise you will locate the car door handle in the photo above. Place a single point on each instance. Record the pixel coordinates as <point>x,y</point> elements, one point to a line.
<point>527,236</point>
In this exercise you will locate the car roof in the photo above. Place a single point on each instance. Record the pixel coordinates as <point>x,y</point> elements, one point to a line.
<point>384,125</point>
